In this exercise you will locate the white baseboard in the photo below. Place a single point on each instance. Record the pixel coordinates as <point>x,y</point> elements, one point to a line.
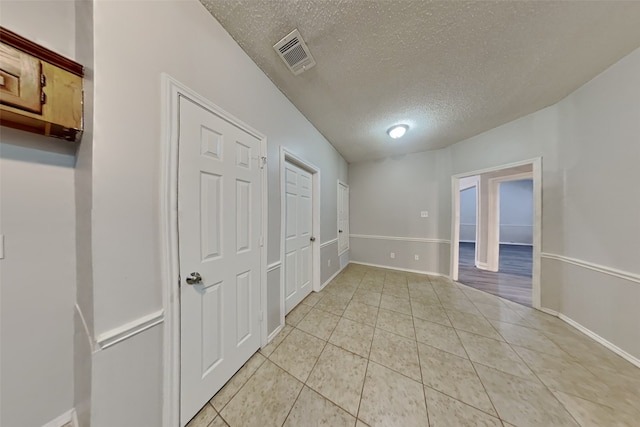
<point>333,276</point>
<point>430,273</point>
<point>617,350</point>
<point>273,334</point>
<point>549,311</point>
<point>67,417</point>
<point>482,266</point>
<point>620,352</point>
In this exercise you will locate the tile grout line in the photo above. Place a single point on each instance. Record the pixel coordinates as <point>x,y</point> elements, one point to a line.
<point>364,380</point>
<point>474,370</point>
<point>326,342</point>
<point>532,371</point>
<point>413,319</point>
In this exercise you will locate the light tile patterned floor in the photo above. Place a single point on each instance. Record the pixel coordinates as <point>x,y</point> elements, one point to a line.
<point>384,348</point>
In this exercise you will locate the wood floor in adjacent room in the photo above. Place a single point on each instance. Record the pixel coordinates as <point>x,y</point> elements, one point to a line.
<point>385,348</point>
<point>512,281</point>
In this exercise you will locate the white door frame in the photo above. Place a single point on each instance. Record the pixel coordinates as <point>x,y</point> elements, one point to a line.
<point>537,220</point>
<point>172,90</point>
<point>346,186</point>
<point>472,182</point>
<point>493,217</point>
<point>288,156</point>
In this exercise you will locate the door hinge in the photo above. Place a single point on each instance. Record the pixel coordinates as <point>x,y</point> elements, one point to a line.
<point>261,316</point>
<point>43,80</point>
<point>43,98</point>
<point>263,161</point>
<point>261,241</point>
<point>179,280</point>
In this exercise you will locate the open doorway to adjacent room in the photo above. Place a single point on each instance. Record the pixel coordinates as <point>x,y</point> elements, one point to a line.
<point>496,227</point>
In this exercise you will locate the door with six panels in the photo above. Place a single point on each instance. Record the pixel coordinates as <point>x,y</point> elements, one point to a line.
<point>219,223</point>
<point>298,253</point>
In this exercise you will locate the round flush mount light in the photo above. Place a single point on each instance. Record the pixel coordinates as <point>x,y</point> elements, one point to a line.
<point>397,131</point>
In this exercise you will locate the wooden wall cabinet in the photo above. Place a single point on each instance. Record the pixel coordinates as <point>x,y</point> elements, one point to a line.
<point>40,91</point>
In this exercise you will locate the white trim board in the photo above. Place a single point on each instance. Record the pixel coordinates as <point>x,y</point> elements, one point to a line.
<point>128,330</point>
<point>92,343</point>
<point>288,156</point>
<point>609,345</point>
<point>537,220</point>
<point>172,90</point>
<point>273,334</point>
<point>632,277</point>
<point>402,239</point>
<point>61,420</point>
<point>493,215</point>
<point>388,267</point>
<point>329,242</point>
<point>333,276</point>
<point>273,266</point>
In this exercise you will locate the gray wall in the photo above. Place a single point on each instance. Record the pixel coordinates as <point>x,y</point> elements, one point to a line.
<point>126,168</point>
<point>37,218</point>
<point>589,148</point>
<point>386,198</point>
<point>516,212</point>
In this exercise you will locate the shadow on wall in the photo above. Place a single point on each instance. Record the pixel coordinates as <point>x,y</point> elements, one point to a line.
<point>32,148</point>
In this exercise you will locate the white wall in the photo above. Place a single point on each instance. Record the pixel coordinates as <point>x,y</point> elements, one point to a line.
<point>182,39</point>
<point>37,217</point>
<point>83,315</point>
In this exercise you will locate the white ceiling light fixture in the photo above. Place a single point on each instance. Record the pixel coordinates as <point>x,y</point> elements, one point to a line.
<point>397,131</point>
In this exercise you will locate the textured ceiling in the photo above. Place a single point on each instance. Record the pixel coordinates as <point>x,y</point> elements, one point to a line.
<point>448,69</point>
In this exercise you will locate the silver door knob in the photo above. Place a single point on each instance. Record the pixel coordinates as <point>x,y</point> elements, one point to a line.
<point>194,278</point>
<point>313,239</point>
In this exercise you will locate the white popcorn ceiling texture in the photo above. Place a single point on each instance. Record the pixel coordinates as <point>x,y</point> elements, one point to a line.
<point>448,69</point>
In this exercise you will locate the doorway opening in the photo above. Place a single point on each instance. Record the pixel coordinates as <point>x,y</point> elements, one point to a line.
<point>496,231</point>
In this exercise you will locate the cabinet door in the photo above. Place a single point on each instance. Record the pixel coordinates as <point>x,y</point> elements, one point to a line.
<point>20,84</point>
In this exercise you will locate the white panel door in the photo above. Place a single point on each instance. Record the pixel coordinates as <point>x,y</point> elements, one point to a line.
<point>219,223</point>
<point>298,253</point>
<point>343,217</point>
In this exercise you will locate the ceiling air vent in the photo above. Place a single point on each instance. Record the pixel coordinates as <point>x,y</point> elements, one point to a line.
<point>295,53</point>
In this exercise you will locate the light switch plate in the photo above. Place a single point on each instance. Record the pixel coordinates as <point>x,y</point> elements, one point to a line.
<point>392,255</point>
<point>424,214</point>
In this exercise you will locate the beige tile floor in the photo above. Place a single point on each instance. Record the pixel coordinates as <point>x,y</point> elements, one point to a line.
<point>384,348</point>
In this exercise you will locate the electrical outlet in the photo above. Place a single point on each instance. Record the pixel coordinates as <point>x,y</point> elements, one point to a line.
<point>329,263</point>
<point>392,255</point>
<point>416,257</point>
<point>424,214</point>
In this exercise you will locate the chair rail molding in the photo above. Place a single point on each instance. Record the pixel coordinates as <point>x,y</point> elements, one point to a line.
<point>328,242</point>
<point>398,238</point>
<point>128,330</point>
<point>274,266</point>
<point>626,275</point>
